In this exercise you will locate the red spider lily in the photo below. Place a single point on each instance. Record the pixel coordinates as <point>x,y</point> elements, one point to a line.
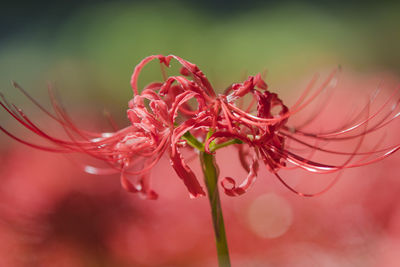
<point>162,119</point>
<point>267,134</point>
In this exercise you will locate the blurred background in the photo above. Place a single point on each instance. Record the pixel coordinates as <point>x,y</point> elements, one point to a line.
<point>51,213</point>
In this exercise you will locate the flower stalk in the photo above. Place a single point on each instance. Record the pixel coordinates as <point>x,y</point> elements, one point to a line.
<point>210,172</point>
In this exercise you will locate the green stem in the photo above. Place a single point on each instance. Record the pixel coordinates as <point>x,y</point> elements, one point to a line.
<point>192,141</point>
<point>211,179</point>
<point>214,147</point>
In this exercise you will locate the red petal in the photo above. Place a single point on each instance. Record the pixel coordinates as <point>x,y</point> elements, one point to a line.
<point>229,184</point>
<point>142,187</point>
<point>185,173</point>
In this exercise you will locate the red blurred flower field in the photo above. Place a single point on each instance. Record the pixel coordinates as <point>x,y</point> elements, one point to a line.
<point>53,214</point>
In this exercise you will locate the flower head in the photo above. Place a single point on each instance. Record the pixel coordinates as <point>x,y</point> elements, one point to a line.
<point>247,114</point>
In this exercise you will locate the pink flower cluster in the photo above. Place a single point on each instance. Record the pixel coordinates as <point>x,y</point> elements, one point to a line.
<point>247,115</point>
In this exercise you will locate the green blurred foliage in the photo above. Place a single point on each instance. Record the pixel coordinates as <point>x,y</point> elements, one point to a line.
<point>91,57</point>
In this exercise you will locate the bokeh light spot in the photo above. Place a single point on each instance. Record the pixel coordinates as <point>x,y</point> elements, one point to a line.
<point>270,216</point>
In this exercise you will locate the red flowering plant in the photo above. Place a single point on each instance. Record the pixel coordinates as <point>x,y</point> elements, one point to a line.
<point>247,115</point>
